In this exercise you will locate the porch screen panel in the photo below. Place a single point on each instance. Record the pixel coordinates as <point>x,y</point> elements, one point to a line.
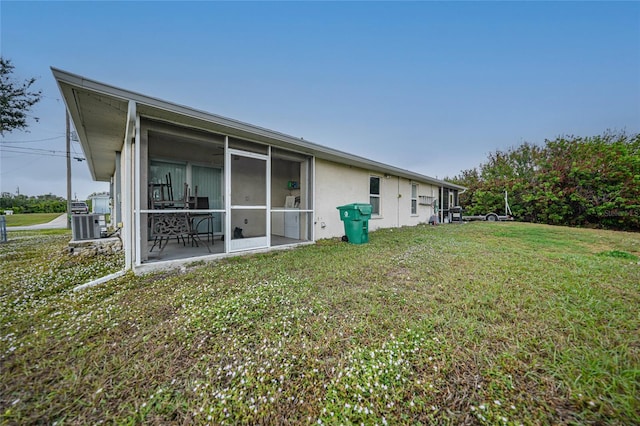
<point>209,183</point>
<point>159,170</point>
<point>248,221</point>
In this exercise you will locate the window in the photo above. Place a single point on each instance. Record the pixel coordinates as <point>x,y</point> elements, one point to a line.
<point>414,198</point>
<point>173,175</point>
<point>374,194</point>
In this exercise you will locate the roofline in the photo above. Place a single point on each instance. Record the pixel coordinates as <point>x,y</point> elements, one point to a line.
<point>325,152</point>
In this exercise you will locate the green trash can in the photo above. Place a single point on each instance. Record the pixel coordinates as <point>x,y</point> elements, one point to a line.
<point>356,222</point>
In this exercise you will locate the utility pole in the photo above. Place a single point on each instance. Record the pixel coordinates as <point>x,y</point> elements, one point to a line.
<point>68,137</point>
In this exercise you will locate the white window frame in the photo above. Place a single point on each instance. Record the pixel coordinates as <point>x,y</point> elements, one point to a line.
<point>414,198</point>
<point>373,212</point>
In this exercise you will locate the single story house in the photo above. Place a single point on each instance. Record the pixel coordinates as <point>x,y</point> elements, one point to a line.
<point>188,184</point>
<point>100,203</point>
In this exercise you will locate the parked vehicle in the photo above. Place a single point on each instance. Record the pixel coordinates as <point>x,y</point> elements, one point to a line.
<point>79,207</point>
<point>492,216</point>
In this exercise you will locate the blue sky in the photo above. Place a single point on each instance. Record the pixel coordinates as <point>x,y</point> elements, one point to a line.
<point>432,87</point>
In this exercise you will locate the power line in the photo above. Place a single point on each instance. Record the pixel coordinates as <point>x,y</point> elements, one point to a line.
<point>36,151</point>
<point>24,148</point>
<point>33,140</point>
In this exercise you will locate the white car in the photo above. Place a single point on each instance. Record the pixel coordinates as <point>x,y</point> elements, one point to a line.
<point>79,207</point>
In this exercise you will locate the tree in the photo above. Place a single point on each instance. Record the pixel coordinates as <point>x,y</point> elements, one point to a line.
<point>16,99</point>
<point>48,203</point>
<point>577,181</point>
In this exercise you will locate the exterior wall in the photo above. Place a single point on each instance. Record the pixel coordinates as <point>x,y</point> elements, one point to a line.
<point>330,184</point>
<point>338,184</point>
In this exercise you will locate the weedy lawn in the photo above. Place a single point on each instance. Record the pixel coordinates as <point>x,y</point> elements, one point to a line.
<point>481,323</point>
<point>26,219</point>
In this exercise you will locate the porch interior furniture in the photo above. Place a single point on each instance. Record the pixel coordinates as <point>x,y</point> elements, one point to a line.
<point>287,224</point>
<point>161,195</point>
<point>164,226</point>
<point>201,203</point>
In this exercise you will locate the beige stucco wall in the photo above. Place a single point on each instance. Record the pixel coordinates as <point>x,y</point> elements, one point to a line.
<point>337,185</point>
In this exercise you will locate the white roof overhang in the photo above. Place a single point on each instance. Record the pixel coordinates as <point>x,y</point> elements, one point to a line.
<point>100,111</point>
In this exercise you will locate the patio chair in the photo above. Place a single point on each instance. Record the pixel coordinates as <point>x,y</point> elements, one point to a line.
<point>177,224</point>
<point>201,203</point>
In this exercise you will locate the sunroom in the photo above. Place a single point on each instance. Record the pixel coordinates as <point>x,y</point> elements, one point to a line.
<point>206,193</point>
<point>187,184</point>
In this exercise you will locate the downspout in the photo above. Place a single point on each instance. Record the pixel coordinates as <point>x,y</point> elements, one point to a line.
<point>101,280</point>
<point>398,205</point>
<point>128,214</point>
<point>312,199</point>
<point>441,204</point>
<point>460,193</point>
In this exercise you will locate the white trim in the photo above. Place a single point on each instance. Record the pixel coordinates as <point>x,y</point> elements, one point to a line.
<point>379,195</point>
<point>183,211</point>
<point>127,216</point>
<point>249,154</point>
<point>236,128</point>
<point>441,204</point>
<point>136,191</point>
<point>413,198</point>
<point>241,207</point>
<point>100,280</point>
<point>312,199</point>
<point>253,243</point>
<point>290,210</point>
<point>227,195</point>
<point>267,216</point>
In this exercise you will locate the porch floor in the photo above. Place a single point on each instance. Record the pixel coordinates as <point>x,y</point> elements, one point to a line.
<point>175,250</point>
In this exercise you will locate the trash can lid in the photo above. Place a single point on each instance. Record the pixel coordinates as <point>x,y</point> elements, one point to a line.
<point>361,207</point>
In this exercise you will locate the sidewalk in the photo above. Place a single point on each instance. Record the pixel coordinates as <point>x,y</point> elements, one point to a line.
<point>58,223</point>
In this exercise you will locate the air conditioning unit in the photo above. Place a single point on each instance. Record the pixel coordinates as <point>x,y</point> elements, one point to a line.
<point>87,226</point>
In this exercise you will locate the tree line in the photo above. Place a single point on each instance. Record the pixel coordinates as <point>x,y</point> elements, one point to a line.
<point>33,204</point>
<point>576,181</point>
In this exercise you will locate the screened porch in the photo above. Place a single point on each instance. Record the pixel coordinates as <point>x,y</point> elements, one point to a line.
<point>209,194</point>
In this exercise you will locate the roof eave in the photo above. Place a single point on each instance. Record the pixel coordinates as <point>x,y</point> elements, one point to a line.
<point>320,151</point>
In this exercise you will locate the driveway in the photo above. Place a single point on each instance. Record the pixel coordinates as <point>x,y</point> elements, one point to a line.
<point>59,222</point>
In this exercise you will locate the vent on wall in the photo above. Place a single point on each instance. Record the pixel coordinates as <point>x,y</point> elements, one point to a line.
<point>86,226</point>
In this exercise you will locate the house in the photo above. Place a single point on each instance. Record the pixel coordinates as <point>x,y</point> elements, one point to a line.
<point>100,202</point>
<point>243,187</point>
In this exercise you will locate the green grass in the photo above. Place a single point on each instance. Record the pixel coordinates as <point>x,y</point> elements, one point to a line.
<point>502,323</point>
<point>30,218</point>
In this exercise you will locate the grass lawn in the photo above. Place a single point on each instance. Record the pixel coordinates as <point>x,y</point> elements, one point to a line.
<point>483,323</point>
<point>30,218</point>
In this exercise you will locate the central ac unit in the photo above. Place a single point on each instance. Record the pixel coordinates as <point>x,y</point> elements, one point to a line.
<point>86,226</point>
